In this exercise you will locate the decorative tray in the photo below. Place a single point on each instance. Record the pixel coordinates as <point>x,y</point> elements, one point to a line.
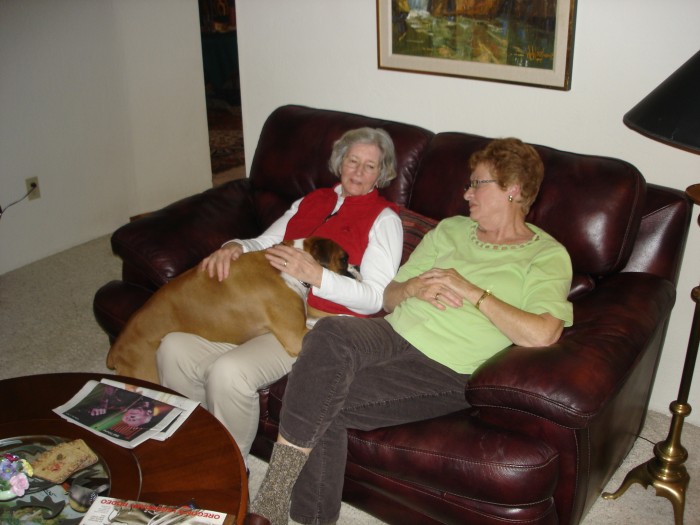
<point>44,503</point>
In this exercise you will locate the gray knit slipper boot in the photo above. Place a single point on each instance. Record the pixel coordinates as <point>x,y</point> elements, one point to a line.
<point>275,494</point>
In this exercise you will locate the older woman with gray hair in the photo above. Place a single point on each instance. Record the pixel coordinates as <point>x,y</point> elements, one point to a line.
<point>226,378</point>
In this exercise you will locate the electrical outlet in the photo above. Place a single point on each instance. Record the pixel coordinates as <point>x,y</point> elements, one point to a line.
<point>33,182</point>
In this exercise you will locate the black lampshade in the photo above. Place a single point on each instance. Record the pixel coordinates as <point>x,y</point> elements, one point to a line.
<point>671,113</point>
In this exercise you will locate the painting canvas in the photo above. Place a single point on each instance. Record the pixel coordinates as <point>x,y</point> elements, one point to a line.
<point>519,41</point>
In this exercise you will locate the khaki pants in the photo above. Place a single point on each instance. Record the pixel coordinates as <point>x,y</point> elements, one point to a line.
<point>224,377</point>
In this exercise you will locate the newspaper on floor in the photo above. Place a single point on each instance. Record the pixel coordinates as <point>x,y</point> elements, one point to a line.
<point>106,511</point>
<point>126,415</point>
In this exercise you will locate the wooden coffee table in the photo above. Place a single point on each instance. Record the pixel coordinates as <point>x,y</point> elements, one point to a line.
<point>199,464</point>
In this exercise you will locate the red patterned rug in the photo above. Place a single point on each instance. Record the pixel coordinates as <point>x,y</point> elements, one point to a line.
<point>225,136</point>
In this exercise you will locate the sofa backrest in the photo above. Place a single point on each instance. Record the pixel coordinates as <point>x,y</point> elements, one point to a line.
<point>591,204</point>
<point>295,144</point>
<point>596,206</point>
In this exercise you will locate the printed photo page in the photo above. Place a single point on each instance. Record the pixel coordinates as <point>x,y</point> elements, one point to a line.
<point>125,414</point>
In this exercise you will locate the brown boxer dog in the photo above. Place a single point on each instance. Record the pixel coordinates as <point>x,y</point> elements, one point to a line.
<point>254,299</point>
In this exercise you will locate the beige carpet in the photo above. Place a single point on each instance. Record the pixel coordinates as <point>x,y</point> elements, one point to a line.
<point>47,325</point>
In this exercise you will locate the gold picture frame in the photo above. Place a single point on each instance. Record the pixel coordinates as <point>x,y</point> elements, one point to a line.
<point>529,43</point>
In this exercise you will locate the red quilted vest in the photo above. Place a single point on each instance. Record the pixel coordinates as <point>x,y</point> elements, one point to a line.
<point>349,227</point>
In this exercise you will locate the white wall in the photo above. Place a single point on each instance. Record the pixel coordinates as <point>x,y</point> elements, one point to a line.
<point>104,102</point>
<point>322,53</point>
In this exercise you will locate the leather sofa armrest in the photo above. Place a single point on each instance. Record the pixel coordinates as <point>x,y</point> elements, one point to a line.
<point>572,380</point>
<point>162,244</point>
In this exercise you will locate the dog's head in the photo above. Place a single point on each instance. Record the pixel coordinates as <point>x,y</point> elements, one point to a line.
<point>330,255</point>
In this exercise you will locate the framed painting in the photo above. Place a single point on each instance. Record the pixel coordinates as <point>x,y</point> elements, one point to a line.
<point>518,41</point>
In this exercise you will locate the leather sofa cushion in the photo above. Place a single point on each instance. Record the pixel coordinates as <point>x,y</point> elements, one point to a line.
<point>467,453</point>
<point>462,456</point>
<point>591,204</point>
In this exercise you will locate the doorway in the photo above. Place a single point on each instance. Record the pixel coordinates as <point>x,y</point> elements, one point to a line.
<point>222,85</point>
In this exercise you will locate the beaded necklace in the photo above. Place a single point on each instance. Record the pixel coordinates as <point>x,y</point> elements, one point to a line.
<point>487,245</point>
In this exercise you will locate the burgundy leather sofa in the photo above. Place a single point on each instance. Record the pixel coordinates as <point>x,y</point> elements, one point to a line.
<point>548,426</point>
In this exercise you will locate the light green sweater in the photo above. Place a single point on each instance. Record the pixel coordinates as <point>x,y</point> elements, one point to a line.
<point>534,276</point>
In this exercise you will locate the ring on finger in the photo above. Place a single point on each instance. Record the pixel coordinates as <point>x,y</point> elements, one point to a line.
<point>285,263</point>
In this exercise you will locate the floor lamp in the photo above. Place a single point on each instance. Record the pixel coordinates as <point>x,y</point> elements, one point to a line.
<point>671,114</point>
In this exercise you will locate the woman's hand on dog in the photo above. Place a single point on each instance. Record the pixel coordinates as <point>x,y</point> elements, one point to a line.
<point>295,262</point>
<point>218,263</point>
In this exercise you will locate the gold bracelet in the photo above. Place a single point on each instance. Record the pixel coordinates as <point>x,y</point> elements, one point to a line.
<point>484,295</point>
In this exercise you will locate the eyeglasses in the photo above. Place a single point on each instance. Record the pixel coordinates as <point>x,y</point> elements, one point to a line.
<point>477,183</point>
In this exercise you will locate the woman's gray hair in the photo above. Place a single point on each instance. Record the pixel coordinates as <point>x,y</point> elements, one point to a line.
<point>376,136</point>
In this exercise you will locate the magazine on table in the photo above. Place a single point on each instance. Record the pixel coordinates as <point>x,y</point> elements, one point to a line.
<point>125,414</point>
<point>107,511</point>
<point>186,405</point>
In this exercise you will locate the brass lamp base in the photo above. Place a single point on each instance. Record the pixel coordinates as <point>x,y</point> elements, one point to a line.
<point>665,471</point>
